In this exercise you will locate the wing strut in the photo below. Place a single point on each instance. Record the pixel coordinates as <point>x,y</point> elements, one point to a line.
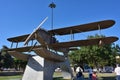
<point>72,35</point>
<point>99,28</point>
<point>11,44</point>
<point>100,42</point>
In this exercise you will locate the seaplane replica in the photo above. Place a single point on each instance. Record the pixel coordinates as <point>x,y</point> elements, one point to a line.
<point>49,46</point>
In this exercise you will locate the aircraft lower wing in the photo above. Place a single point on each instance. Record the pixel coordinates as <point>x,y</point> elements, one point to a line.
<point>24,49</point>
<point>78,43</point>
<point>87,42</point>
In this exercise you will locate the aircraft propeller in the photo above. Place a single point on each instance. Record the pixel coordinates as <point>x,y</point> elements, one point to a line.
<point>34,31</point>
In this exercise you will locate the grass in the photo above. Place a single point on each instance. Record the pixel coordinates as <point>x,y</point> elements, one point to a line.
<point>103,76</point>
<point>58,76</point>
<point>106,76</point>
<point>10,77</point>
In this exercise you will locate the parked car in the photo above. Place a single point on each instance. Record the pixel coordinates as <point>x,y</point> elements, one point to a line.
<point>106,69</point>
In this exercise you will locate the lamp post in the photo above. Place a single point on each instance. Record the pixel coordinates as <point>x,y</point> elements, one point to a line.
<point>52,6</point>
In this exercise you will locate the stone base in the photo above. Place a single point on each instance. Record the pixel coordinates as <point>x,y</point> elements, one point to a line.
<point>39,68</point>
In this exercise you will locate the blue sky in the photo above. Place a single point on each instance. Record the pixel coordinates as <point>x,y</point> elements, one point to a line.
<point>19,17</point>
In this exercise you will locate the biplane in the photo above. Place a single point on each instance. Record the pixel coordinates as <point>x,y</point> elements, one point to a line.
<point>49,46</point>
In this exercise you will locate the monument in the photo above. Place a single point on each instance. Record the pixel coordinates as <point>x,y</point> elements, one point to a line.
<point>47,48</point>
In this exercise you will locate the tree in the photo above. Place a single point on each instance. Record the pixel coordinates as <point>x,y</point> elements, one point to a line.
<point>19,64</point>
<point>116,49</point>
<point>1,60</point>
<point>6,59</point>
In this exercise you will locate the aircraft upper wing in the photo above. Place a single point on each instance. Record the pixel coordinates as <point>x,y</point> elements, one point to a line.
<point>26,37</point>
<point>68,30</point>
<point>87,42</point>
<point>83,28</point>
<point>19,38</point>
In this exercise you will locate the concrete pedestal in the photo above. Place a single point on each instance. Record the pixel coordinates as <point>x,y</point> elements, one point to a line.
<point>39,68</point>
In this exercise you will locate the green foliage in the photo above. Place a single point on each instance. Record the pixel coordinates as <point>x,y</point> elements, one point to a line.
<point>18,64</point>
<point>7,61</point>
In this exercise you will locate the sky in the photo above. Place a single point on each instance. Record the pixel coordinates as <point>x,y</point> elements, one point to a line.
<point>19,17</point>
